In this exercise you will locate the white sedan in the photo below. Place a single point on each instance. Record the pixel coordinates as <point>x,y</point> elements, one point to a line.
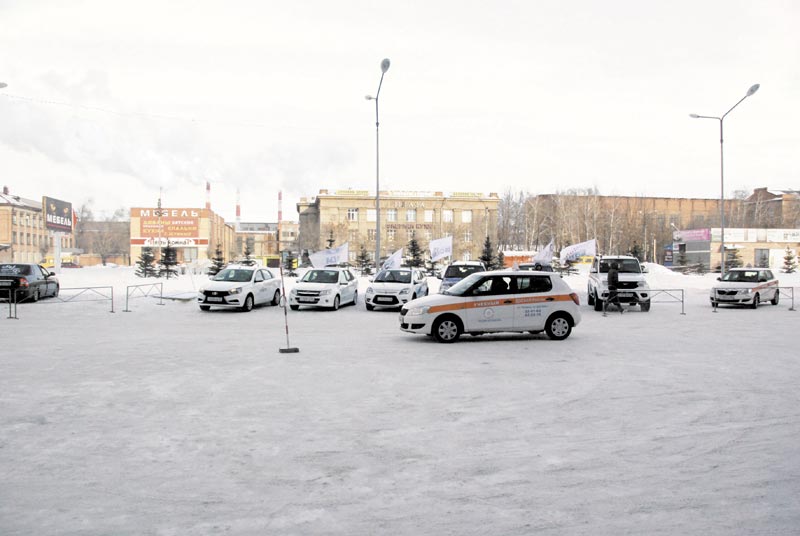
<point>241,287</point>
<point>746,286</point>
<point>325,287</point>
<point>395,287</point>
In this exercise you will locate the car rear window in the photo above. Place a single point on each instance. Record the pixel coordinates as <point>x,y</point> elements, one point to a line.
<point>15,269</point>
<point>462,271</point>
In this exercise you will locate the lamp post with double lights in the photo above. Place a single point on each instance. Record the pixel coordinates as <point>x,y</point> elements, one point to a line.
<point>384,67</point>
<point>750,92</point>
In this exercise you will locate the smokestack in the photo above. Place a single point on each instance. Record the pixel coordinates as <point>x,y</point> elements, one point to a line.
<point>208,195</point>
<point>238,210</point>
<point>5,190</point>
<point>280,206</point>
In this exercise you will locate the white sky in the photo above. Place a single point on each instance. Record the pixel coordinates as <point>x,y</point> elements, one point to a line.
<point>265,96</point>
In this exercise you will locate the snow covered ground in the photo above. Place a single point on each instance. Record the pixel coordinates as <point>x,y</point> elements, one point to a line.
<point>166,420</point>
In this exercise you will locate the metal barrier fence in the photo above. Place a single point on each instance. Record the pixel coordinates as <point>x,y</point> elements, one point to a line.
<point>142,291</point>
<point>673,295</point>
<point>11,296</point>
<point>84,294</point>
<point>780,291</point>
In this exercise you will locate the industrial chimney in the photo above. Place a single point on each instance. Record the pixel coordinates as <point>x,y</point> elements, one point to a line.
<point>280,206</point>
<point>208,195</point>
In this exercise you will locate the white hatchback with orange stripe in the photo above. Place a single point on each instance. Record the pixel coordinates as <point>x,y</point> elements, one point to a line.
<point>499,301</point>
<point>746,286</point>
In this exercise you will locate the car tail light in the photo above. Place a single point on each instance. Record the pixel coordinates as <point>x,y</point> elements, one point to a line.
<point>575,298</point>
<point>23,282</point>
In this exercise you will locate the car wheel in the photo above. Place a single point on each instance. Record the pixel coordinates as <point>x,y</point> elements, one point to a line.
<point>355,298</point>
<point>756,301</point>
<point>248,304</point>
<point>336,303</point>
<point>294,307</point>
<point>205,308</point>
<point>776,298</point>
<point>589,297</point>
<point>447,329</point>
<point>36,295</point>
<point>55,294</point>
<point>598,304</point>
<point>276,298</point>
<point>370,307</point>
<point>558,327</point>
<point>645,305</point>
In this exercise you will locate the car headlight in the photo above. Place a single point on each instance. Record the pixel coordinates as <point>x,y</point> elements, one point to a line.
<point>369,290</point>
<point>202,290</point>
<point>325,292</point>
<point>404,291</point>
<point>235,290</point>
<point>293,292</point>
<point>416,311</point>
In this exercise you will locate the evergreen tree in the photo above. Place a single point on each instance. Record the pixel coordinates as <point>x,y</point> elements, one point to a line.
<point>145,266</point>
<point>247,251</point>
<point>415,253</point>
<point>331,241</point>
<point>289,264</point>
<point>363,261</point>
<point>789,262</point>
<point>733,259</point>
<point>636,251</point>
<point>169,258</point>
<point>501,260</point>
<point>218,261</point>
<point>487,258</point>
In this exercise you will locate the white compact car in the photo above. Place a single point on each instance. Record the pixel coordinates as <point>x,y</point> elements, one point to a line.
<point>746,286</point>
<point>324,287</point>
<point>488,302</point>
<point>395,287</point>
<point>240,286</point>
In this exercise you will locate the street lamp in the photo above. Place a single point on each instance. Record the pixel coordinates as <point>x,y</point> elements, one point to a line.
<point>750,91</point>
<point>384,67</point>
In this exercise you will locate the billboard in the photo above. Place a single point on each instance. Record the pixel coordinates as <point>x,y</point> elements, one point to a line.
<point>57,215</point>
<point>179,226</point>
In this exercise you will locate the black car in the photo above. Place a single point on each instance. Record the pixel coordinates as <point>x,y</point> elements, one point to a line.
<point>27,282</point>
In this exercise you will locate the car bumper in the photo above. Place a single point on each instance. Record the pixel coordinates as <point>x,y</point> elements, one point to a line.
<point>414,324</point>
<point>225,302</point>
<point>386,300</point>
<point>629,296</point>
<point>320,301</point>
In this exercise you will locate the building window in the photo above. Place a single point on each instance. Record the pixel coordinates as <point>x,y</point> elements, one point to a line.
<point>352,214</point>
<point>447,216</point>
<point>371,235</point>
<point>428,235</point>
<point>411,215</point>
<point>428,216</point>
<point>466,216</point>
<point>371,215</point>
<point>353,235</point>
<point>467,236</point>
<point>391,214</point>
<point>467,256</point>
<point>391,234</point>
<point>762,258</point>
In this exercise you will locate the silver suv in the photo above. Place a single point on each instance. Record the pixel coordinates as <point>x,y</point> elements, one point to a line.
<point>633,288</point>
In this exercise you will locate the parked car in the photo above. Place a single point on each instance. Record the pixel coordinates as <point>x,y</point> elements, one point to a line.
<point>633,288</point>
<point>500,301</point>
<point>457,271</point>
<point>27,282</point>
<point>535,267</point>
<point>240,286</point>
<point>746,286</point>
<point>324,287</point>
<point>393,288</point>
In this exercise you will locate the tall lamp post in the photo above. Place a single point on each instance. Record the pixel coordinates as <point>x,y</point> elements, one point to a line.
<point>384,67</point>
<point>750,91</point>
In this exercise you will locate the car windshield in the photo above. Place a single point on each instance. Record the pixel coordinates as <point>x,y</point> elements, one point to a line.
<point>462,270</point>
<point>462,286</point>
<point>393,276</point>
<point>15,269</point>
<point>235,275</point>
<point>741,276</point>
<point>624,266</point>
<point>321,276</point>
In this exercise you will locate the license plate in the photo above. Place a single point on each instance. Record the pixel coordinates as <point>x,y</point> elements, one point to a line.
<point>213,299</point>
<point>5,283</point>
<point>625,294</point>
<point>382,300</point>
<point>306,300</point>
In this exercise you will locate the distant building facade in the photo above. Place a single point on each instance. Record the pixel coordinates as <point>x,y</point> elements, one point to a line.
<point>339,216</point>
<point>24,236</point>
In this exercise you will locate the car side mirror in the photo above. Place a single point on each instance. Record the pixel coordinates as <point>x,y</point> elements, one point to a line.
<point>719,279</point>
<point>371,279</point>
<point>593,271</point>
<point>644,269</point>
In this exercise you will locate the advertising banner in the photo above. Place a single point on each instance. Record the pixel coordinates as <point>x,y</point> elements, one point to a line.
<point>168,222</point>
<point>571,253</point>
<point>692,235</point>
<point>57,215</point>
<point>326,257</point>
<point>441,248</point>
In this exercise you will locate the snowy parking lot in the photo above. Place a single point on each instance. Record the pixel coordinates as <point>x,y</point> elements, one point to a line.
<point>166,420</point>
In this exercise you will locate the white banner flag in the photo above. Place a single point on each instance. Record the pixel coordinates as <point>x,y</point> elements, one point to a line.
<point>545,256</point>
<point>323,258</point>
<point>441,247</point>
<point>394,260</point>
<point>570,253</point>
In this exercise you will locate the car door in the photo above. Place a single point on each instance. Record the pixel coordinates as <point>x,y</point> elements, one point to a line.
<point>490,305</point>
<point>420,284</point>
<point>272,283</point>
<point>46,285</point>
<point>533,301</point>
<point>346,287</point>
<point>259,287</point>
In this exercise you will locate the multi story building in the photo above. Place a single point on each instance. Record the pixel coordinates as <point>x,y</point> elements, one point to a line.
<point>333,218</point>
<point>24,236</point>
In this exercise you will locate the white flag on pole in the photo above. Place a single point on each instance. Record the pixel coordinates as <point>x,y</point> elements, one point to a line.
<point>570,253</point>
<point>394,260</point>
<point>441,247</point>
<point>545,256</point>
<point>323,258</point>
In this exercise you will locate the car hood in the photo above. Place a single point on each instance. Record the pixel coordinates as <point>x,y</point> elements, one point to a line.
<point>315,286</point>
<point>736,284</point>
<point>391,287</point>
<point>223,285</point>
<point>433,300</point>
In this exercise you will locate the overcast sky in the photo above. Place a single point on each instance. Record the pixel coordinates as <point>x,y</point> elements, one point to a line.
<point>112,100</point>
